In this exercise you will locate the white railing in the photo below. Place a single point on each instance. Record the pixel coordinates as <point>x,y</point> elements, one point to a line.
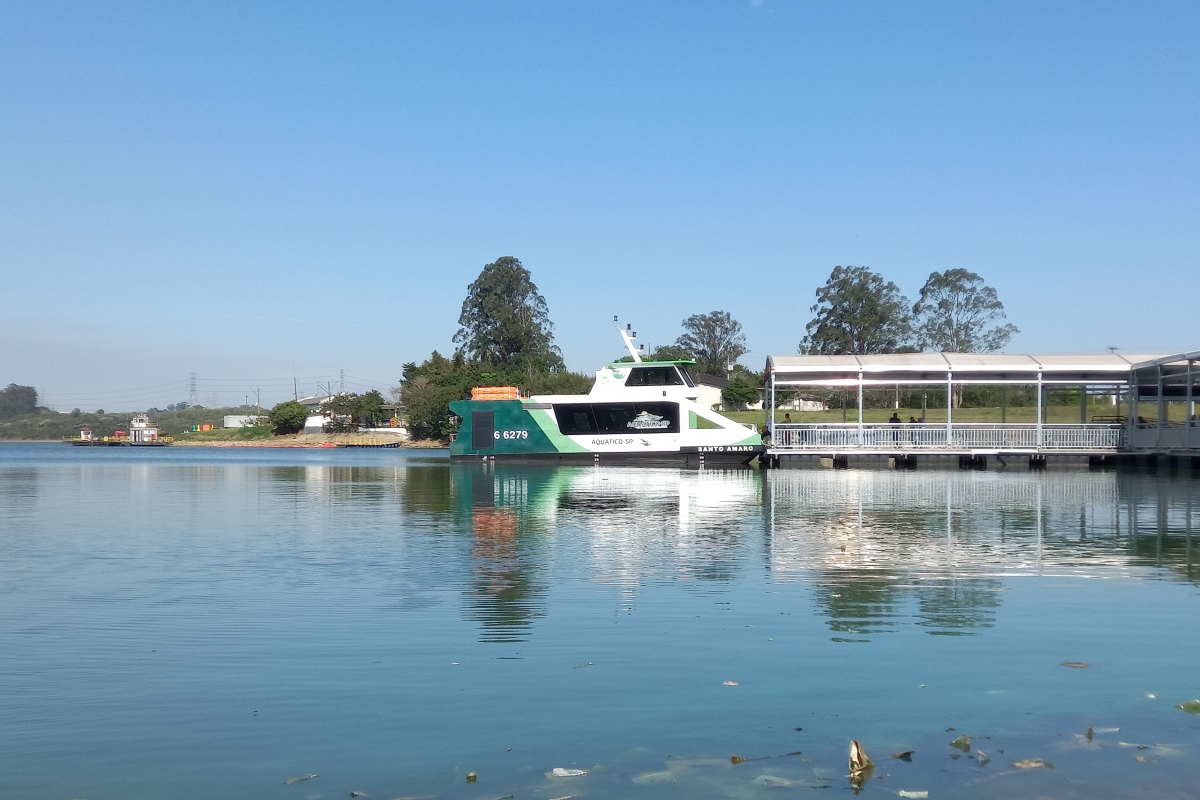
<point>965,436</point>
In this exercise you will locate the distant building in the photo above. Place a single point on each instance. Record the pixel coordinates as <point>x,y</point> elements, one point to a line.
<point>708,390</point>
<point>142,430</point>
<point>313,402</point>
<point>239,420</point>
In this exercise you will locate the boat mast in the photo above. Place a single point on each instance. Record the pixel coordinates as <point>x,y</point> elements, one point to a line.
<point>628,335</point>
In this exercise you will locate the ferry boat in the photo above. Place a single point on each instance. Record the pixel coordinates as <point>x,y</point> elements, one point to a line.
<point>637,412</point>
<point>142,433</point>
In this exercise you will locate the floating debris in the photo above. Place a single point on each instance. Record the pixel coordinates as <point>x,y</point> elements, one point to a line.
<point>359,794</point>
<point>560,772</point>
<point>773,781</point>
<point>861,766</point>
<point>962,743</point>
<point>1031,763</point>
<point>565,797</point>
<point>652,778</point>
<point>859,760</point>
<point>472,777</point>
<point>1140,758</point>
<point>732,683</point>
<point>981,757</point>
<point>307,777</point>
<point>904,755</point>
<point>1076,664</point>
<point>914,795</point>
<point>736,759</point>
<point>582,666</point>
<point>1191,706</point>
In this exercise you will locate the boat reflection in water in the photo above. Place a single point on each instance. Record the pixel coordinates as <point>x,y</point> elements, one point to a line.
<point>396,619</point>
<point>614,526</point>
<point>880,549</point>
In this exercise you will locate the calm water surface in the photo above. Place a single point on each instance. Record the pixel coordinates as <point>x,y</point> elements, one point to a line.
<point>201,623</point>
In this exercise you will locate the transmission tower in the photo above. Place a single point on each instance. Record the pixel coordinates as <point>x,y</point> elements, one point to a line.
<point>193,394</point>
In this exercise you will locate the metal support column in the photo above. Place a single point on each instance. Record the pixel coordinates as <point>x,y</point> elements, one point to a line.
<point>1131,423</point>
<point>771,411</point>
<point>1190,419</point>
<point>949,407</point>
<point>1158,425</point>
<point>1039,410</point>
<point>860,405</point>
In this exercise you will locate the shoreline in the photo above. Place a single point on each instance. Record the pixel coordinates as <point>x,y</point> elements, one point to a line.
<point>310,440</point>
<point>297,441</point>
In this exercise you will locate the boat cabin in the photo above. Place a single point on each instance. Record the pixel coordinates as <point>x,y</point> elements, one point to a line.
<point>627,374</point>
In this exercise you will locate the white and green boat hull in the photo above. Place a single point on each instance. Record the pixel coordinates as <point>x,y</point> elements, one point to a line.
<point>580,429</point>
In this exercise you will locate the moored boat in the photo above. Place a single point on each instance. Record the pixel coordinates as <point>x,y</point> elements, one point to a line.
<point>636,412</point>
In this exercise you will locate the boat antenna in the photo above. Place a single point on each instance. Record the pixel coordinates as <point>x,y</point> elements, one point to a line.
<point>628,335</point>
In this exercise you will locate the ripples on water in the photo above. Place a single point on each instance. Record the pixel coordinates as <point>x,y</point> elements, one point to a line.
<point>184,623</point>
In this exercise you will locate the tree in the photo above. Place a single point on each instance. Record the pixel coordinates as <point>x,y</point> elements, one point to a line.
<point>505,322</point>
<point>370,408</point>
<point>671,352</point>
<point>715,340</point>
<point>955,311</point>
<point>349,411</point>
<point>17,400</point>
<point>857,312</point>
<point>427,389</point>
<point>287,417</point>
<point>741,391</point>
<point>663,352</point>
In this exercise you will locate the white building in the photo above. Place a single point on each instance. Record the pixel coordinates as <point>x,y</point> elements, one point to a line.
<point>142,430</point>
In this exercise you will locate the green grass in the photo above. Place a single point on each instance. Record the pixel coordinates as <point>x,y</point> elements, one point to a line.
<point>244,434</point>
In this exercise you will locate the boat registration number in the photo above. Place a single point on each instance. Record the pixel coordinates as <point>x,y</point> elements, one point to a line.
<point>511,434</point>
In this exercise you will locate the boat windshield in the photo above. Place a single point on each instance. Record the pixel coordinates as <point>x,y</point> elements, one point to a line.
<point>659,375</point>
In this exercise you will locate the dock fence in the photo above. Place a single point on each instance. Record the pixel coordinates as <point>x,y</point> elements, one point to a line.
<point>999,437</point>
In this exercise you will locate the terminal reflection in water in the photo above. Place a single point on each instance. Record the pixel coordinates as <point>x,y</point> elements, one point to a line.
<point>879,547</point>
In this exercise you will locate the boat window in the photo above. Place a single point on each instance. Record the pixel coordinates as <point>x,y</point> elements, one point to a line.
<point>613,418</point>
<point>654,376</point>
<point>575,419</point>
<point>687,378</point>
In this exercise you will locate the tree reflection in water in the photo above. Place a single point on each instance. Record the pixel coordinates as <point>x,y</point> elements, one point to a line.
<point>880,548</point>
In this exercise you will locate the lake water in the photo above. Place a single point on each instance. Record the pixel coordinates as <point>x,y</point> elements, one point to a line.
<point>202,623</point>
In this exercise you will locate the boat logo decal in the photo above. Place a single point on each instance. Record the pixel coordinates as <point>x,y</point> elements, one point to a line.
<point>648,421</point>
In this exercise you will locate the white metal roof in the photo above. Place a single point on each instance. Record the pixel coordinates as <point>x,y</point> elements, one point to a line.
<point>959,367</point>
<point>1176,359</point>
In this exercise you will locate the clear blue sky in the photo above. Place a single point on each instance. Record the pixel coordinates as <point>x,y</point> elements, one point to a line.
<point>259,191</point>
